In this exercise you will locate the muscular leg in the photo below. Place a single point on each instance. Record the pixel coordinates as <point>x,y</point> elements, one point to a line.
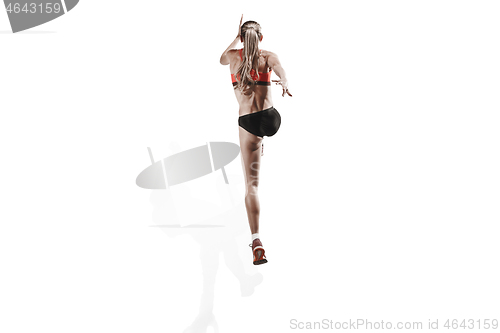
<point>250,154</point>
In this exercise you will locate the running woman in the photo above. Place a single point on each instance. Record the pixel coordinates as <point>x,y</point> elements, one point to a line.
<point>251,70</point>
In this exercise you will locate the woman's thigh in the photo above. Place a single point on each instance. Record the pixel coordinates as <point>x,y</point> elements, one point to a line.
<point>250,146</point>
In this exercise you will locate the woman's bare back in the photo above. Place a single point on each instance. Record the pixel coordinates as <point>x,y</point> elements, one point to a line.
<point>254,97</point>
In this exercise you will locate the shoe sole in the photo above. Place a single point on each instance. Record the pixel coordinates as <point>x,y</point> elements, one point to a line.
<point>260,262</point>
<point>260,254</point>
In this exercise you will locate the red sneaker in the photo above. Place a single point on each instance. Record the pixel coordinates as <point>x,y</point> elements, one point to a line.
<point>259,256</point>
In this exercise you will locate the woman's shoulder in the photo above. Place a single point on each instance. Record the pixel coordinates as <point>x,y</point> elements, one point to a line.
<point>234,54</point>
<point>267,55</point>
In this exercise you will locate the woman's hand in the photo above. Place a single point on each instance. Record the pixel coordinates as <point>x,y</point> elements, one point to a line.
<point>239,28</point>
<point>284,85</point>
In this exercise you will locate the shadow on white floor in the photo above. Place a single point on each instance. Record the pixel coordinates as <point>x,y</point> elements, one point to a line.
<point>216,235</point>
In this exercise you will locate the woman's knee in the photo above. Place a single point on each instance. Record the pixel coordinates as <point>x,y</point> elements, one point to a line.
<point>252,144</point>
<point>253,188</point>
<point>257,145</point>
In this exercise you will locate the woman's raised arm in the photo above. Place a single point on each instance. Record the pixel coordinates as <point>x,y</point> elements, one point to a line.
<point>224,58</point>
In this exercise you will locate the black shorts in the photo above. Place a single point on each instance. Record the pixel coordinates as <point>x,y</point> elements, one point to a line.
<point>261,123</point>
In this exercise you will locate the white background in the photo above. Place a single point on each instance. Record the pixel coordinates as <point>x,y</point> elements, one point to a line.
<point>379,193</point>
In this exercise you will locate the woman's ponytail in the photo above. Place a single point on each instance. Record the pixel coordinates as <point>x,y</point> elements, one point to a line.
<point>247,73</point>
